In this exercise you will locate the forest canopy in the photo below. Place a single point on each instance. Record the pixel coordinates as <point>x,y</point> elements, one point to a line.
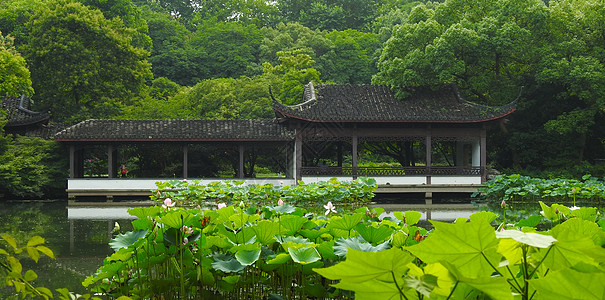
<point>85,59</point>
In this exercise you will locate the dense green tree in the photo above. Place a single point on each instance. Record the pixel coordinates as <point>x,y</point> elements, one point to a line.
<point>14,74</point>
<point>290,76</point>
<point>83,65</point>
<point>258,12</point>
<point>490,49</point>
<point>15,16</point>
<point>480,45</point>
<point>29,167</point>
<point>351,59</point>
<point>173,56</point>
<point>128,13</point>
<point>230,47</point>
<point>220,98</point>
<point>330,15</point>
<point>290,37</point>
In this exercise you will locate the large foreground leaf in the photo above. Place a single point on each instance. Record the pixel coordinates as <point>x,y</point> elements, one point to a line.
<point>468,246</point>
<point>362,266</point>
<point>570,284</point>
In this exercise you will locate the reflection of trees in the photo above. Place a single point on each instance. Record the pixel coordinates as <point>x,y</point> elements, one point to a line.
<point>25,220</point>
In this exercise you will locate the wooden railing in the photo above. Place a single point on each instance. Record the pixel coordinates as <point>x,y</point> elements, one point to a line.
<point>391,171</point>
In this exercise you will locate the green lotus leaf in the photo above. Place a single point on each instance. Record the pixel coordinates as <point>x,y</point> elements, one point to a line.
<point>247,257</point>
<point>548,212</point>
<point>313,234</point>
<point>345,222</point>
<point>398,239</point>
<point>575,228</point>
<point>304,255</point>
<point>145,212</point>
<point>495,287</point>
<point>487,216</point>
<point>531,221</point>
<point>126,239</point>
<point>326,249</point>
<point>228,265</point>
<point>585,213</point>
<point>284,208</point>
<point>570,284</point>
<point>575,244</point>
<point>176,218</point>
<point>108,270</point>
<point>248,247</point>
<point>530,238</point>
<point>465,245</point>
<point>240,219</point>
<point>369,267</point>
<point>123,254</point>
<point>219,241</point>
<point>291,224</point>
<point>375,289</point>
<point>374,233</point>
<point>265,231</point>
<point>410,217</point>
<point>171,236</point>
<point>280,259</point>
<point>341,246</point>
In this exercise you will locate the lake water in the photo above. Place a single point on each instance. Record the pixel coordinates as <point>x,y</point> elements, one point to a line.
<point>78,235</point>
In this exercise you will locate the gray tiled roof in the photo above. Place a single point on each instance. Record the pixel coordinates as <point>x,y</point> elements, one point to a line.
<point>18,112</point>
<point>376,103</point>
<point>176,130</point>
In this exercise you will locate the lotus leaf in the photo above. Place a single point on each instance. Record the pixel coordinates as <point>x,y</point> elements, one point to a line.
<point>470,246</point>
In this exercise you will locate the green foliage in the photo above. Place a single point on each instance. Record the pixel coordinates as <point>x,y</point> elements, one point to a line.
<point>351,59</point>
<point>14,74</point>
<point>239,252</point>
<point>313,196</point>
<point>90,58</point>
<point>518,190</point>
<point>13,275</point>
<point>294,71</point>
<point>467,260</point>
<point>226,58</point>
<point>31,167</point>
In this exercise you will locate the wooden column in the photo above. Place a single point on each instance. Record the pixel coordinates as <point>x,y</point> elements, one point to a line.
<point>111,161</point>
<point>429,151</point>
<point>339,153</point>
<point>72,161</point>
<point>185,161</point>
<point>240,172</point>
<point>460,154</point>
<point>298,155</point>
<point>483,155</point>
<point>354,156</point>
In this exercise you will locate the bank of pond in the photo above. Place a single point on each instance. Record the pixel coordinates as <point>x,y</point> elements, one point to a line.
<point>227,241</point>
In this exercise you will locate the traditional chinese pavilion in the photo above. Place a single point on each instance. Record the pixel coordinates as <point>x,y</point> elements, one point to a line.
<point>433,140</point>
<point>21,120</point>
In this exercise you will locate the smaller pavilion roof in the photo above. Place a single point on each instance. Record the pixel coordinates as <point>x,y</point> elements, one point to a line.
<point>176,130</point>
<point>376,103</point>
<point>19,114</point>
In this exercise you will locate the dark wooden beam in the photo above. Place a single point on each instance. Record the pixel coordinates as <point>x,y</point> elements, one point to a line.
<point>185,161</point>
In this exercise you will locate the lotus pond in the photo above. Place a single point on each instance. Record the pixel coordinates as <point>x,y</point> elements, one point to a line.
<point>341,249</point>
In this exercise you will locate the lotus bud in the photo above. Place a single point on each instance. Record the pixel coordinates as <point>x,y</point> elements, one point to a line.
<point>503,204</point>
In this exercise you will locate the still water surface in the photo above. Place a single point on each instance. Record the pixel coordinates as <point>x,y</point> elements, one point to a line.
<point>79,235</point>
